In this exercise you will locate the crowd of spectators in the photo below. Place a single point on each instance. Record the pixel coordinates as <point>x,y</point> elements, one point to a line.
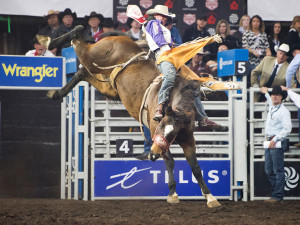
<point>266,51</point>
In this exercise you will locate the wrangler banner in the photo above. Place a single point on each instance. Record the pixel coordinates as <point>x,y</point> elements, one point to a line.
<point>23,72</point>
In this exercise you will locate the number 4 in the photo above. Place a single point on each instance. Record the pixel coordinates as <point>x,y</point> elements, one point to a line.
<point>124,147</point>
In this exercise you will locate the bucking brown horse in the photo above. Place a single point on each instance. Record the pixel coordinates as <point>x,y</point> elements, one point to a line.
<point>129,84</point>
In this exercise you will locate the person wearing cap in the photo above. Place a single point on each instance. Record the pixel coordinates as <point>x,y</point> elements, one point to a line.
<point>197,64</point>
<point>52,23</point>
<point>134,31</point>
<point>271,70</point>
<point>40,43</point>
<point>294,67</point>
<point>196,30</point>
<point>278,126</point>
<point>159,40</point>
<point>93,29</point>
<point>67,18</point>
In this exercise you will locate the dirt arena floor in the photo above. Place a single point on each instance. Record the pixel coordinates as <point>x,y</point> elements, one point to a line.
<point>54,211</point>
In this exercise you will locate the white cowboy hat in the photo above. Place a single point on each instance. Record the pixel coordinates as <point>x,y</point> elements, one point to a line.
<point>283,47</point>
<point>160,9</point>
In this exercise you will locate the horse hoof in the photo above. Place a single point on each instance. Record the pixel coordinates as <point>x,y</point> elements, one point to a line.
<point>173,199</point>
<point>52,94</point>
<point>213,204</point>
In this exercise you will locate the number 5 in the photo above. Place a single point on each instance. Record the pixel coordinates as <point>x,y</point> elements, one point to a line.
<point>241,67</point>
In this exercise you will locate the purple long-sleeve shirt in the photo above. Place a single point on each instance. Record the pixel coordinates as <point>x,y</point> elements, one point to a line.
<point>159,33</point>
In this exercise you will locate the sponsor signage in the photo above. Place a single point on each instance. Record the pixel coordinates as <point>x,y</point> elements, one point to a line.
<point>262,186</point>
<point>135,178</point>
<point>24,72</point>
<point>227,62</point>
<point>71,59</point>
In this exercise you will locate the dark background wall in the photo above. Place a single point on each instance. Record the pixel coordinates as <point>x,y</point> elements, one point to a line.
<point>30,145</point>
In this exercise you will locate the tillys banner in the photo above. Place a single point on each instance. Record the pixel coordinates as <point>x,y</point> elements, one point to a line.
<point>187,11</point>
<point>262,185</point>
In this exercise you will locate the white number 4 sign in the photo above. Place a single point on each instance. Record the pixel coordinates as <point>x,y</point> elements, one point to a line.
<point>124,147</point>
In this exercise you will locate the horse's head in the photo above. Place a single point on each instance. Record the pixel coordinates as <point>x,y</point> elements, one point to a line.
<point>164,135</point>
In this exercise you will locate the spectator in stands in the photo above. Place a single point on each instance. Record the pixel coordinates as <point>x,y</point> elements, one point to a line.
<point>93,29</point>
<point>196,30</point>
<point>243,25</point>
<point>256,41</point>
<point>52,23</point>
<point>294,66</point>
<point>271,70</point>
<point>67,18</point>
<point>174,31</point>
<point>277,128</point>
<point>197,64</point>
<point>293,36</point>
<point>223,29</point>
<point>108,25</point>
<point>40,43</point>
<point>275,38</point>
<point>211,66</point>
<point>135,32</point>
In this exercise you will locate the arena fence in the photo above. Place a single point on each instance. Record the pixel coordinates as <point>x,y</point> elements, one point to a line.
<point>115,140</point>
<point>259,184</point>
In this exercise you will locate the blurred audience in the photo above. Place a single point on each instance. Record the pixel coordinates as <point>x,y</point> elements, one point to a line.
<point>197,64</point>
<point>174,31</point>
<point>256,41</point>
<point>67,18</point>
<point>293,36</point>
<point>275,38</point>
<point>52,23</point>
<point>244,24</point>
<point>93,29</point>
<point>211,66</point>
<point>223,29</point>
<point>40,44</point>
<point>134,32</point>
<point>294,67</point>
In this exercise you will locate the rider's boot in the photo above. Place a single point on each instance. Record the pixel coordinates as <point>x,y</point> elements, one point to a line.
<point>205,122</point>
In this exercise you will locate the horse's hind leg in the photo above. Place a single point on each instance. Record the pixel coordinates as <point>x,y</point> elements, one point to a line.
<point>189,147</point>
<point>57,94</point>
<point>173,196</point>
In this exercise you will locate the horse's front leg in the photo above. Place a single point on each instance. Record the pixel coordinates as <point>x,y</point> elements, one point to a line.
<point>189,148</point>
<point>78,76</point>
<point>173,196</point>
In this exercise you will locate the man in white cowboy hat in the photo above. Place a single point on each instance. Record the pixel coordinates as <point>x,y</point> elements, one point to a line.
<point>271,70</point>
<point>40,43</point>
<point>159,40</point>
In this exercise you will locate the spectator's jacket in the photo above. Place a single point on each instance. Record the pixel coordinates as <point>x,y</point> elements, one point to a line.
<point>129,34</point>
<point>61,30</point>
<point>192,33</point>
<point>88,36</point>
<point>292,37</point>
<point>47,31</point>
<point>264,70</point>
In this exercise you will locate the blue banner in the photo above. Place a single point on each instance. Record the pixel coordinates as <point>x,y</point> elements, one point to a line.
<point>147,178</point>
<point>71,59</point>
<point>228,59</point>
<point>23,72</point>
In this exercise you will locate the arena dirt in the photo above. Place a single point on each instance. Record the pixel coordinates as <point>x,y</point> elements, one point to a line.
<point>54,211</point>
